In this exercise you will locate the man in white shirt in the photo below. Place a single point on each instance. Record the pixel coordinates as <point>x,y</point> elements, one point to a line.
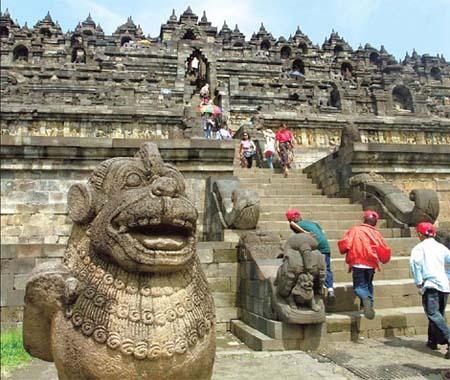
<point>427,263</point>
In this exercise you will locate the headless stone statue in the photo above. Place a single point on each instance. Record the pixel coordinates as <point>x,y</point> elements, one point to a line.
<point>130,300</point>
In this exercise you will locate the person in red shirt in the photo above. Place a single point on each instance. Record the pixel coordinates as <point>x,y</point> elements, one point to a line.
<point>365,248</point>
<point>284,141</point>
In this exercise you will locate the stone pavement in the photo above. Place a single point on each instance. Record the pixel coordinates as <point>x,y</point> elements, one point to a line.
<point>381,359</point>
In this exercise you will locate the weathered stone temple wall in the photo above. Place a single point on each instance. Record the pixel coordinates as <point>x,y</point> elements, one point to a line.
<point>36,173</point>
<point>126,85</point>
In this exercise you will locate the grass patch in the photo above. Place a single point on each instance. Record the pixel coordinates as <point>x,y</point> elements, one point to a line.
<point>12,352</point>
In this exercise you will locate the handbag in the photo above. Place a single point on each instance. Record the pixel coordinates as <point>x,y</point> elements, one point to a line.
<point>249,153</point>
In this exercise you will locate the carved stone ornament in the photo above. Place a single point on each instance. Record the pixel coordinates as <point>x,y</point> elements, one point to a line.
<point>130,300</point>
<point>298,288</point>
<point>239,208</point>
<point>375,192</point>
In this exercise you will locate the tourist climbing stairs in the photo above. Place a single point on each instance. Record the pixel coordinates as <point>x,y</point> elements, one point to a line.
<point>397,301</point>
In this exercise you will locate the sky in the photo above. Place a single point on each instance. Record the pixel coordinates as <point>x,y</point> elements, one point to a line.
<point>399,25</point>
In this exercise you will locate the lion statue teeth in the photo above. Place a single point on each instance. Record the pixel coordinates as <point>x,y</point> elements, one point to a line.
<point>130,300</point>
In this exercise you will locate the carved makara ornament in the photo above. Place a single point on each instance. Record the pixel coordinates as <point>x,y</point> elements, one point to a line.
<point>130,300</point>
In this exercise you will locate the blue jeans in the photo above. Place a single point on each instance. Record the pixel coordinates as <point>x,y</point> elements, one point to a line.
<point>207,132</point>
<point>270,162</point>
<point>434,303</point>
<point>363,283</point>
<point>329,277</point>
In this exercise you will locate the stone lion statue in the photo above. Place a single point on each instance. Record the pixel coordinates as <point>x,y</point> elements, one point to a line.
<point>130,300</point>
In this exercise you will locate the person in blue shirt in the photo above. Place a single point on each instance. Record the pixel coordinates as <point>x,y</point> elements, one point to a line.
<point>427,263</point>
<point>299,225</point>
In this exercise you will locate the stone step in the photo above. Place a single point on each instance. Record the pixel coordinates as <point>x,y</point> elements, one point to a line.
<point>390,322</point>
<point>279,225</point>
<point>280,192</point>
<point>304,201</point>
<point>314,208</point>
<point>396,268</point>
<point>255,339</point>
<point>275,181</point>
<point>387,294</point>
<point>332,234</point>
<point>401,246</point>
<point>299,187</point>
<point>268,174</point>
<point>315,215</point>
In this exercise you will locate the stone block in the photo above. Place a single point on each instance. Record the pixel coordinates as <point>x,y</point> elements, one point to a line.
<point>20,281</point>
<point>24,264</point>
<point>8,251</point>
<point>15,297</point>
<point>28,250</point>
<point>338,323</point>
<point>225,314</point>
<point>220,284</point>
<point>205,255</point>
<point>224,299</point>
<point>342,336</point>
<point>393,321</point>
<point>54,260</point>
<point>227,269</point>
<point>225,255</point>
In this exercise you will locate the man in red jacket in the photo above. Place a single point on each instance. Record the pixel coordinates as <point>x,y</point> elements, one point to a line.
<point>365,247</point>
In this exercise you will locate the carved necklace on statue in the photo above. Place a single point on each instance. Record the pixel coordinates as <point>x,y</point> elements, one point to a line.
<point>148,315</point>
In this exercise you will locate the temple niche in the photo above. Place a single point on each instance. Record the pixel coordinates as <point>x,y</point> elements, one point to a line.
<point>346,70</point>
<point>20,54</point>
<point>435,73</point>
<point>335,97</point>
<point>402,99</point>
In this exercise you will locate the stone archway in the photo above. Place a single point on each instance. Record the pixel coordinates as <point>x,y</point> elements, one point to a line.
<point>299,66</point>
<point>197,69</point>
<point>285,52</point>
<point>20,53</point>
<point>265,45</point>
<point>4,32</point>
<point>374,58</point>
<point>338,49</point>
<point>45,32</point>
<point>125,40</point>
<point>78,55</point>
<point>435,73</point>
<point>346,70</point>
<point>189,35</point>
<point>335,97</point>
<point>402,98</point>
<point>303,47</point>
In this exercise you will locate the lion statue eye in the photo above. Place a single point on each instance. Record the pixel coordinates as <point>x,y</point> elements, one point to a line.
<point>133,180</point>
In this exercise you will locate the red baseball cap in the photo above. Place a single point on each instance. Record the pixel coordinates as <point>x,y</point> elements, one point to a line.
<point>426,228</point>
<point>369,214</point>
<point>292,214</point>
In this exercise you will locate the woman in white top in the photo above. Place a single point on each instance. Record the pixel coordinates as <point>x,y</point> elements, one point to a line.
<point>269,147</point>
<point>247,151</point>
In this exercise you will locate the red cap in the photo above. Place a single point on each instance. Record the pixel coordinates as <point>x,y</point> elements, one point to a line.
<point>369,214</point>
<point>292,214</point>
<point>426,228</point>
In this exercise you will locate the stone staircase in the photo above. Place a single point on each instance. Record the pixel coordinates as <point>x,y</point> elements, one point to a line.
<point>397,302</point>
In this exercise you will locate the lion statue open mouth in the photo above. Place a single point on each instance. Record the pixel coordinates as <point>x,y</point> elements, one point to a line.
<point>130,299</point>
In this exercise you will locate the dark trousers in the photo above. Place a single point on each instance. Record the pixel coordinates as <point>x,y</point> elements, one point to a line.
<point>249,161</point>
<point>363,283</point>
<point>329,276</point>
<point>434,303</point>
